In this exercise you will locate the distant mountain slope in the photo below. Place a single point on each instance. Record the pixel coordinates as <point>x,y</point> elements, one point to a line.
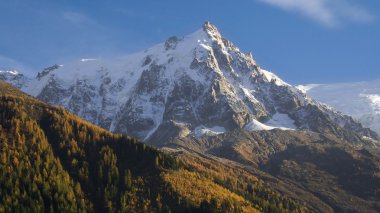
<point>14,78</point>
<point>361,100</point>
<point>51,160</point>
<point>201,84</point>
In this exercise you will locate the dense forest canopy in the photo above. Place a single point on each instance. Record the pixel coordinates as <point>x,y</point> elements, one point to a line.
<point>53,161</point>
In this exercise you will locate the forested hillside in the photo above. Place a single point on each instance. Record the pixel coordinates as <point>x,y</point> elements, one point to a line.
<point>52,161</point>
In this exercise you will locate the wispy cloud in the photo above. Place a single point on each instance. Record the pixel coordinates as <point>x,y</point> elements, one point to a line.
<point>330,13</point>
<point>77,18</point>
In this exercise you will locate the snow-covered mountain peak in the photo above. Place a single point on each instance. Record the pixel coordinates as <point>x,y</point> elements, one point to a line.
<point>187,86</point>
<point>9,72</point>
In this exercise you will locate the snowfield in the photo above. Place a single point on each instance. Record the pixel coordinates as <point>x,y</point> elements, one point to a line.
<point>361,100</point>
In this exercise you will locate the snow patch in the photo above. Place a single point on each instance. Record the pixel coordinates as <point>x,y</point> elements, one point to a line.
<point>282,121</point>
<point>255,125</point>
<point>202,130</point>
<point>278,121</point>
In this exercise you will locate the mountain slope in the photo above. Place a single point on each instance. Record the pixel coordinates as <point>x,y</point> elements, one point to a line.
<point>197,85</point>
<point>361,100</point>
<point>324,171</point>
<point>51,160</point>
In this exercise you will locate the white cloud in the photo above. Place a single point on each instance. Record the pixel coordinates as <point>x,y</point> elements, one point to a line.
<point>329,13</point>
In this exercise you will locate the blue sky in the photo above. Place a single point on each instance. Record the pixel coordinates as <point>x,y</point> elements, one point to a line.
<point>303,41</point>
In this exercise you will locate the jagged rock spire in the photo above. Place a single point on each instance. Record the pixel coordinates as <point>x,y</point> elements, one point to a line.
<point>211,30</point>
